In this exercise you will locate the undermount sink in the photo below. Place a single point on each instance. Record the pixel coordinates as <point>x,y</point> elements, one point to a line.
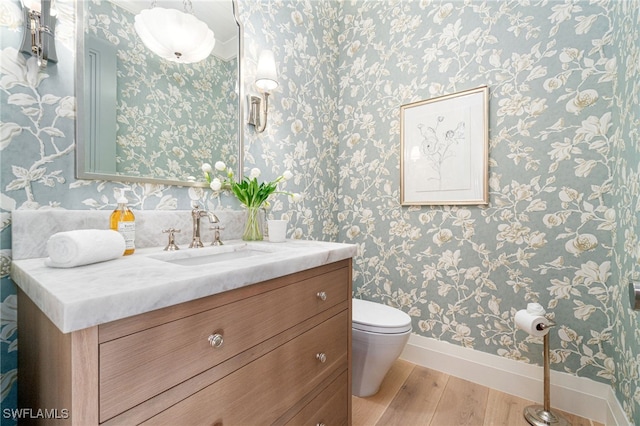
<point>208,255</point>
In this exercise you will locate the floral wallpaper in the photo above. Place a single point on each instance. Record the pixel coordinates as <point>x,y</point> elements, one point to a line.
<point>561,227</point>
<point>301,132</point>
<point>546,236</point>
<point>170,117</point>
<point>626,201</point>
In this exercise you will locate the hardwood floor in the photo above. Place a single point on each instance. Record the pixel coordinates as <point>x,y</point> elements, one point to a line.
<point>412,395</point>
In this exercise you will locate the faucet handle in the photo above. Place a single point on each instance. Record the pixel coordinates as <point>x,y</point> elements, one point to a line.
<point>216,235</point>
<point>171,245</point>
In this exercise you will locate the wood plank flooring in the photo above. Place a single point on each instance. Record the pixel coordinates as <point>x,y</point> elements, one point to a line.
<point>412,395</point>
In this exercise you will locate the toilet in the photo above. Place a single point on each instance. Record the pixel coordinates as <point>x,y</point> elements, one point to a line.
<point>379,334</point>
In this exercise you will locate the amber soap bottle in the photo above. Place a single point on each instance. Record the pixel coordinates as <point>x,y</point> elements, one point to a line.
<point>123,220</point>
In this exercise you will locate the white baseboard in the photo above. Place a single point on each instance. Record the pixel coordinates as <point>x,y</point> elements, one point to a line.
<point>577,395</point>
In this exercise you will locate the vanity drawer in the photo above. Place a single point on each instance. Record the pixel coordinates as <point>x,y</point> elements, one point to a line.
<point>291,370</point>
<point>139,366</point>
<point>330,407</point>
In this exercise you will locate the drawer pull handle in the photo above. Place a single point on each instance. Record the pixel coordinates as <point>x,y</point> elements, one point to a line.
<point>216,340</point>
<point>321,357</point>
<point>321,295</point>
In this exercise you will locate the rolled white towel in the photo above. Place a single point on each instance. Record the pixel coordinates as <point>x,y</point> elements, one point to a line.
<point>83,246</point>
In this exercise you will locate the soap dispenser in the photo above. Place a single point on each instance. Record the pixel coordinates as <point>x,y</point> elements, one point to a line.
<point>123,221</point>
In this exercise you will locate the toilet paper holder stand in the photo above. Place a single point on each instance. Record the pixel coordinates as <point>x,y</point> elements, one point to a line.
<point>634,295</point>
<point>543,415</point>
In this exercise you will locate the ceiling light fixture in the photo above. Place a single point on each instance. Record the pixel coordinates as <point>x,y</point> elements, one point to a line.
<point>173,35</point>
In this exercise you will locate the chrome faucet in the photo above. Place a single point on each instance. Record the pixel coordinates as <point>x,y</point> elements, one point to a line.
<point>196,214</point>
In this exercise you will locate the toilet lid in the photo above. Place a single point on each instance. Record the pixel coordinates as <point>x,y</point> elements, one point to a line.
<point>379,318</point>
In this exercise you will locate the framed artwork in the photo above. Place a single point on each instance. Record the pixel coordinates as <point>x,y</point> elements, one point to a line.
<point>444,145</point>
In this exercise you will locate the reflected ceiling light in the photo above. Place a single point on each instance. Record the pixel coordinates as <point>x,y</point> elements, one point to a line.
<point>39,31</point>
<point>266,81</point>
<point>173,35</point>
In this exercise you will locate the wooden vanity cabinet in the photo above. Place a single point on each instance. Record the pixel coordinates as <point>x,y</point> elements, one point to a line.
<point>277,352</point>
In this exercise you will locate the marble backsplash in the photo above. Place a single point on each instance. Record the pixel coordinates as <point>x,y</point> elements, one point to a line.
<point>31,229</point>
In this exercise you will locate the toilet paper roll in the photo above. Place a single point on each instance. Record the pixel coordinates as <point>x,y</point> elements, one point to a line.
<point>529,323</point>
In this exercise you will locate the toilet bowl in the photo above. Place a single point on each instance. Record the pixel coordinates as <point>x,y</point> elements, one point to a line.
<point>379,334</point>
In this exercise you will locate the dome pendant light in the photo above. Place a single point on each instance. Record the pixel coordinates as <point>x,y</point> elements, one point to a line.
<point>173,35</point>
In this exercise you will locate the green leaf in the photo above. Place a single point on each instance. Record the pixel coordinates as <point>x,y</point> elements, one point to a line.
<point>251,193</point>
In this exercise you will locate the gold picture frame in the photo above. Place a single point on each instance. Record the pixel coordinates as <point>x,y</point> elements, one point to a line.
<point>444,150</point>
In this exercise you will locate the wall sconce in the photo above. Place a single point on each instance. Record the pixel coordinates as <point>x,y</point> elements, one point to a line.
<point>266,81</point>
<point>39,31</point>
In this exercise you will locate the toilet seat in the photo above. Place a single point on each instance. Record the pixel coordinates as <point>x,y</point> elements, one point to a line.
<point>378,318</point>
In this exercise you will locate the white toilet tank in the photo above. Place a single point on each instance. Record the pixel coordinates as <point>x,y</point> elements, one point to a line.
<point>379,334</point>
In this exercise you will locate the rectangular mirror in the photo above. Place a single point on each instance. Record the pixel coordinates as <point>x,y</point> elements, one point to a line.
<point>141,118</point>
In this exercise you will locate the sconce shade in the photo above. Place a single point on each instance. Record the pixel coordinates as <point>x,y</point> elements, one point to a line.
<point>266,76</point>
<point>34,5</point>
<point>173,35</point>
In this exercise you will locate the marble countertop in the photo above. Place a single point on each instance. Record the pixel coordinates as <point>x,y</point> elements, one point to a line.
<point>90,295</point>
